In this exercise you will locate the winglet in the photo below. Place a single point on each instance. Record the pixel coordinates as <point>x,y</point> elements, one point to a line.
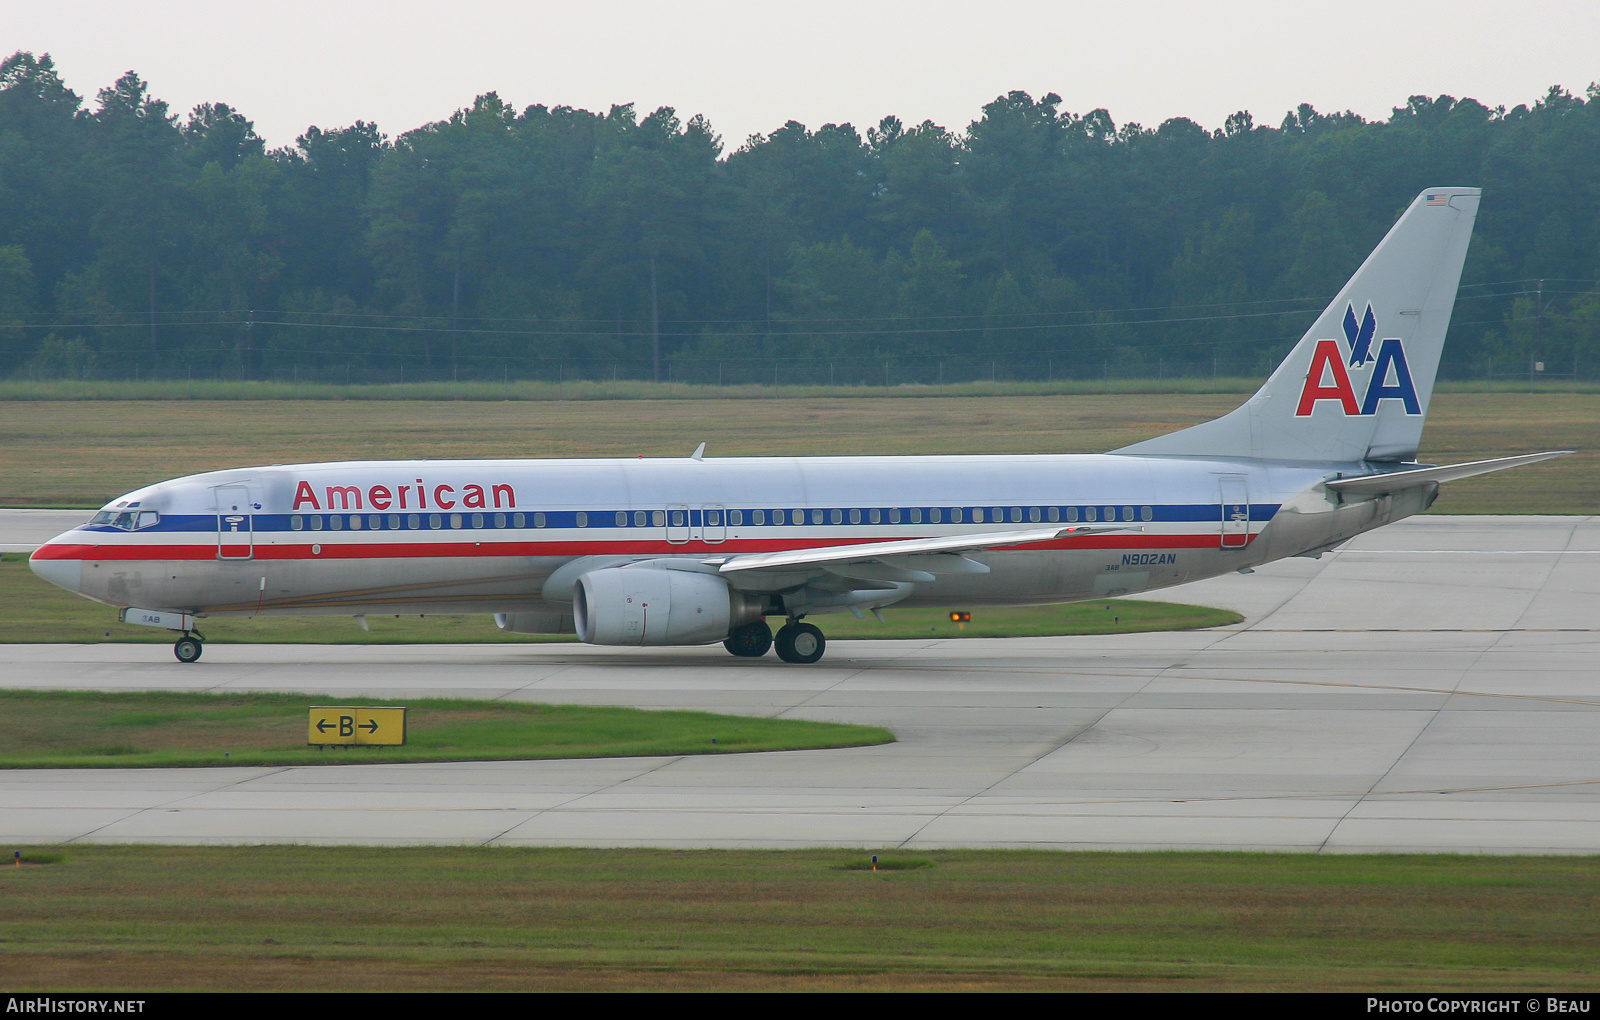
<point>699,452</point>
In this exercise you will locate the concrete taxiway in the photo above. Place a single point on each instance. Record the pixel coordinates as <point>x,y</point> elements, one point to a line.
<point>1433,687</point>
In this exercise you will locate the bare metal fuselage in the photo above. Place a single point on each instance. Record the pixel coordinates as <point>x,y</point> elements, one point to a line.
<point>489,536</point>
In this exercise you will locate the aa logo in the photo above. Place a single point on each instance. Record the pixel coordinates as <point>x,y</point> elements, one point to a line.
<point>1387,378</point>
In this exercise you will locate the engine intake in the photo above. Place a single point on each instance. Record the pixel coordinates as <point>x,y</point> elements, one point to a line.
<point>646,605</point>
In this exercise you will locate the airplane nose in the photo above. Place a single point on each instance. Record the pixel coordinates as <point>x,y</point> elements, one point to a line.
<point>61,572</point>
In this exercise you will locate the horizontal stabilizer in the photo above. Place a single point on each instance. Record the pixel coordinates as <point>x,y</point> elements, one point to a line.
<point>1394,481</point>
<point>793,559</point>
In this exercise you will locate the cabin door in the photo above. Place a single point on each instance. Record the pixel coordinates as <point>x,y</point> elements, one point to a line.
<point>1235,512</point>
<point>235,522</point>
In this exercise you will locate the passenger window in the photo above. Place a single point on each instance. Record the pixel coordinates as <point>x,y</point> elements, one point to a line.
<point>622,519</point>
<point>297,523</point>
<point>679,519</point>
<point>1016,515</point>
<point>640,518</point>
<point>713,518</point>
<point>316,522</point>
<point>816,517</point>
<point>1127,513</point>
<point>916,515</point>
<point>414,522</point>
<point>955,515</point>
<point>894,515</point>
<point>836,516</point>
<point>797,517</point>
<point>1033,514</point>
<point>455,520</point>
<point>335,522</point>
<point>538,520</point>
<point>977,515</point>
<point>583,519</point>
<point>875,516</point>
<point>935,515</point>
<point>658,518</point>
<point>435,521</point>
<point>1072,515</point>
<point>477,520</point>
<point>1054,515</point>
<point>375,523</point>
<point>736,518</point>
<point>758,516</point>
<point>394,522</point>
<point>355,522</point>
<point>1147,513</point>
<point>1089,514</point>
<point>499,520</point>
<point>855,516</point>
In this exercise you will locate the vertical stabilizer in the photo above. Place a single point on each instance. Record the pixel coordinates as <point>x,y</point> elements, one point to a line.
<point>1357,385</point>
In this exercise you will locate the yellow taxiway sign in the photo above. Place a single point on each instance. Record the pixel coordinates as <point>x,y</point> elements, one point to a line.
<point>354,724</point>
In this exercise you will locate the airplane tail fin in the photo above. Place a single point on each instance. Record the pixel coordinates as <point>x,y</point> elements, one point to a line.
<point>1357,385</point>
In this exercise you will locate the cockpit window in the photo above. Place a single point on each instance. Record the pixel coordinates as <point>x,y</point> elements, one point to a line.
<point>127,520</point>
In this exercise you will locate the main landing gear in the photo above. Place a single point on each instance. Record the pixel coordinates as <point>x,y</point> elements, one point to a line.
<point>795,641</point>
<point>750,641</point>
<point>800,642</point>
<point>188,647</point>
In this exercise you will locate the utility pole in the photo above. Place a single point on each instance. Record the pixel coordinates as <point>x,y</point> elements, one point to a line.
<point>655,322</point>
<point>455,322</point>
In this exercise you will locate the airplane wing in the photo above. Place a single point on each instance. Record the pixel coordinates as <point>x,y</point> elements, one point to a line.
<point>1395,481</point>
<point>838,556</point>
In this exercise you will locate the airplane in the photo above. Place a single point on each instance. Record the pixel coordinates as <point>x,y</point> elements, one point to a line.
<point>696,550</point>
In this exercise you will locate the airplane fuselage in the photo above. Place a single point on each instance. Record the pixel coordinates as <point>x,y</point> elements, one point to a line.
<point>488,536</point>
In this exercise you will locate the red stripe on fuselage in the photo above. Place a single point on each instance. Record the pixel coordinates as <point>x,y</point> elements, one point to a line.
<point>649,547</point>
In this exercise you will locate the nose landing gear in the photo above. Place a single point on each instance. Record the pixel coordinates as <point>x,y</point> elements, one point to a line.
<point>188,647</point>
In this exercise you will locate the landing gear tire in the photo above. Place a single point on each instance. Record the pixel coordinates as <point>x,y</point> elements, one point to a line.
<point>187,648</point>
<point>800,642</point>
<point>750,641</point>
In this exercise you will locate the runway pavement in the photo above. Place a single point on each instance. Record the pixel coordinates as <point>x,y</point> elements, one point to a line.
<point>1432,687</point>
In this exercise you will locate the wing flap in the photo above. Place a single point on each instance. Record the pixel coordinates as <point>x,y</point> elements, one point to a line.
<point>827,556</point>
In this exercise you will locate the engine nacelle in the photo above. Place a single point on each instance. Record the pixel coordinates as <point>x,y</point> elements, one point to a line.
<point>639,605</point>
<point>534,623</point>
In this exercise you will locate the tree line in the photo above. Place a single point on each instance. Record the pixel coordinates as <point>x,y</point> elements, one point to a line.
<point>546,241</point>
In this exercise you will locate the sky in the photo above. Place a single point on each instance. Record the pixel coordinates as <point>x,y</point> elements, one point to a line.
<point>751,66</point>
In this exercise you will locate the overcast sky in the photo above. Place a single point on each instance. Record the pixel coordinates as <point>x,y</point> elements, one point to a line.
<point>749,66</point>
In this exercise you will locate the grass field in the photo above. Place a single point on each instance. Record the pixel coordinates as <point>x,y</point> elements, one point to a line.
<point>75,729</point>
<point>351,919</point>
<point>37,611</point>
<point>84,452</point>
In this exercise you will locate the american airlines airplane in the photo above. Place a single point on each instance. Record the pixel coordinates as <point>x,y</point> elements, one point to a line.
<point>699,550</point>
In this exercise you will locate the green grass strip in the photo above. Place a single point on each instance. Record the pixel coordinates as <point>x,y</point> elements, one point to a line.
<point>76,729</point>
<point>513,918</point>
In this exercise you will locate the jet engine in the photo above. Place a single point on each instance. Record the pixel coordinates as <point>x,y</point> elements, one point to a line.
<point>648,605</point>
